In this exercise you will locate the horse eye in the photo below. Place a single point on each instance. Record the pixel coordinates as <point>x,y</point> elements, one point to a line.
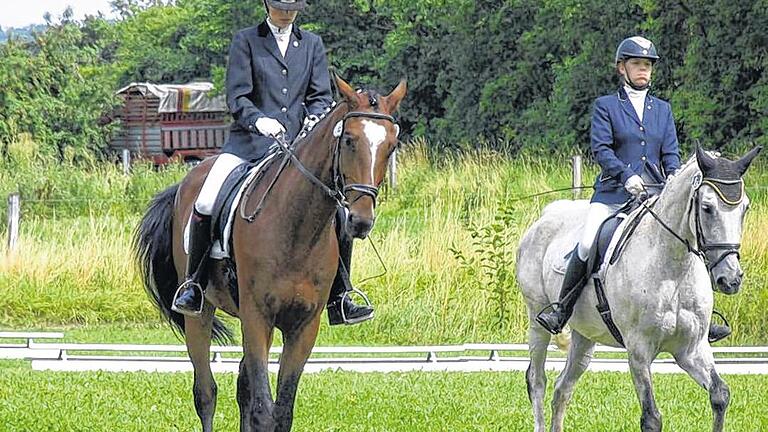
<point>707,208</point>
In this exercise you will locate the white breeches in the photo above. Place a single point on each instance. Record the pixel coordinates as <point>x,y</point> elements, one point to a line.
<point>224,165</point>
<point>598,212</point>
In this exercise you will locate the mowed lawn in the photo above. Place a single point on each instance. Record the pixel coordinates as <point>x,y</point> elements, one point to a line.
<point>341,401</point>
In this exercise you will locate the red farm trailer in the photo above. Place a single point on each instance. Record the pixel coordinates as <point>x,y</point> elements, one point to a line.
<point>164,122</point>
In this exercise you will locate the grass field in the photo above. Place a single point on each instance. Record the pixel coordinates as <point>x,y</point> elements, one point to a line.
<point>349,402</point>
<point>73,273</point>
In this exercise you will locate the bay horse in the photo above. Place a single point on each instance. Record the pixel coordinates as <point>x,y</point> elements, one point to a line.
<point>286,257</point>
<point>660,289</point>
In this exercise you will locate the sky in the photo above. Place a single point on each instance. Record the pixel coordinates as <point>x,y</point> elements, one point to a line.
<point>21,13</point>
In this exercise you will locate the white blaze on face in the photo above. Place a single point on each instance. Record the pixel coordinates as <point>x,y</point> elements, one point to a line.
<point>375,133</point>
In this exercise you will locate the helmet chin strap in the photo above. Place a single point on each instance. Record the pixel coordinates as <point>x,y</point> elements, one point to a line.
<point>635,86</point>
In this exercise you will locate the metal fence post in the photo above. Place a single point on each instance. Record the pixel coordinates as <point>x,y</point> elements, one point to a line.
<point>14,215</point>
<point>126,161</point>
<point>576,174</point>
<point>393,170</point>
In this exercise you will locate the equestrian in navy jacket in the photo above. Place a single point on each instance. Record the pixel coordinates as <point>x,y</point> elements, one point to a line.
<point>624,146</point>
<point>261,83</point>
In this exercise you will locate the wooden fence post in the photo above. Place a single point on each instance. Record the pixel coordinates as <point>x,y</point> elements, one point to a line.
<point>126,161</point>
<point>14,215</point>
<point>576,174</point>
<point>393,170</point>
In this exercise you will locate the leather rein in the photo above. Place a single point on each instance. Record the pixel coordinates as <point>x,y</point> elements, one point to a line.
<point>340,187</point>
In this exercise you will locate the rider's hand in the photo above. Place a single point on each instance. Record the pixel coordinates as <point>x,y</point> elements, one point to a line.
<point>635,186</point>
<point>310,121</point>
<point>269,127</point>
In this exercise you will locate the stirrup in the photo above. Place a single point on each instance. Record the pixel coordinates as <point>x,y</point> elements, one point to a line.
<point>195,286</point>
<point>553,307</point>
<point>725,325</point>
<point>346,295</point>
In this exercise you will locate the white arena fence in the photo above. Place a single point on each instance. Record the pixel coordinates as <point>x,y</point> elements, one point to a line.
<point>56,356</point>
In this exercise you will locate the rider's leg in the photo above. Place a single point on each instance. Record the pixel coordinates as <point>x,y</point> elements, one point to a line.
<point>341,308</point>
<point>189,297</point>
<point>554,319</point>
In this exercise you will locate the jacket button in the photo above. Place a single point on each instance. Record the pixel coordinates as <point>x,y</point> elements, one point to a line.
<point>284,90</point>
<point>284,109</point>
<point>642,128</point>
<point>285,71</point>
<point>642,158</point>
<point>642,142</point>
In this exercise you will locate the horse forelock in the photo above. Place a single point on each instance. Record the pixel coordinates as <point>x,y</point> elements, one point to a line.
<point>372,96</point>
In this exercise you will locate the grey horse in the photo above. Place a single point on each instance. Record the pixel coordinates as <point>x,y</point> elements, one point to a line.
<point>660,290</point>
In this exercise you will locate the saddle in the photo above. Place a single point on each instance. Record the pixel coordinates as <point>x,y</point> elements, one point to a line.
<point>227,201</point>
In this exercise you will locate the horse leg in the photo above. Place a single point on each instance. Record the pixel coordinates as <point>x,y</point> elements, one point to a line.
<point>640,366</point>
<point>579,356</point>
<point>535,376</point>
<point>297,347</point>
<point>198,340</point>
<point>254,396</point>
<point>700,365</point>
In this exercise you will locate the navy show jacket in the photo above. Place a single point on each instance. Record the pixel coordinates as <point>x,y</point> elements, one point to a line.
<point>261,83</point>
<point>624,146</point>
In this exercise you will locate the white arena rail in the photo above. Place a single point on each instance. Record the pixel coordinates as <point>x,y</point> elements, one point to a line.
<point>10,349</point>
<point>466,357</point>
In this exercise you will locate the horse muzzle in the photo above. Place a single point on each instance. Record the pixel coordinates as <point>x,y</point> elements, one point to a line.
<point>728,285</point>
<point>358,226</point>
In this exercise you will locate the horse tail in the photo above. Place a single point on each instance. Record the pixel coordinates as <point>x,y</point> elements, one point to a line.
<point>153,251</point>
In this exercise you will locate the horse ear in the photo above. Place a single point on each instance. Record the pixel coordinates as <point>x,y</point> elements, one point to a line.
<point>705,161</point>
<point>743,163</point>
<point>346,90</point>
<point>397,95</point>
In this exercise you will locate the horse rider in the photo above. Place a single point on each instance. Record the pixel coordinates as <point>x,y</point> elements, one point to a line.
<point>634,140</point>
<point>277,78</point>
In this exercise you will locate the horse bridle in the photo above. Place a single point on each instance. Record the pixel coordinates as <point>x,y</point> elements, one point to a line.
<point>703,245</point>
<point>338,178</point>
<point>340,188</point>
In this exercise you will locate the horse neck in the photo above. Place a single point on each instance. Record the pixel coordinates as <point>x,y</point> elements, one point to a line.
<point>316,154</point>
<point>674,209</point>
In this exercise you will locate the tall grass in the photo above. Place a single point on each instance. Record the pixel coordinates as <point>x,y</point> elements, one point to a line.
<point>74,267</point>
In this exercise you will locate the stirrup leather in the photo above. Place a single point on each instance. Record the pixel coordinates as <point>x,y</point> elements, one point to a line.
<point>195,286</point>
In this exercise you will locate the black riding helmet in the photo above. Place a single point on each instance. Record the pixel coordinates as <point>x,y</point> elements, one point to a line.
<point>290,5</point>
<point>636,47</point>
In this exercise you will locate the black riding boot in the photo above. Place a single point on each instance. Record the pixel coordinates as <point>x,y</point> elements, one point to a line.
<point>718,332</point>
<point>189,297</point>
<point>575,279</point>
<point>341,309</point>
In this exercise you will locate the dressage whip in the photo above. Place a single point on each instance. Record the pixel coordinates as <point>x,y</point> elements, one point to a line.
<point>536,195</point>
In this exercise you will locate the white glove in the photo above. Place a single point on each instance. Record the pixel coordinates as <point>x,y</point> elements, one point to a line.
<point>634,185</point>
<point>310,121</point>
<point>269,127</point>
